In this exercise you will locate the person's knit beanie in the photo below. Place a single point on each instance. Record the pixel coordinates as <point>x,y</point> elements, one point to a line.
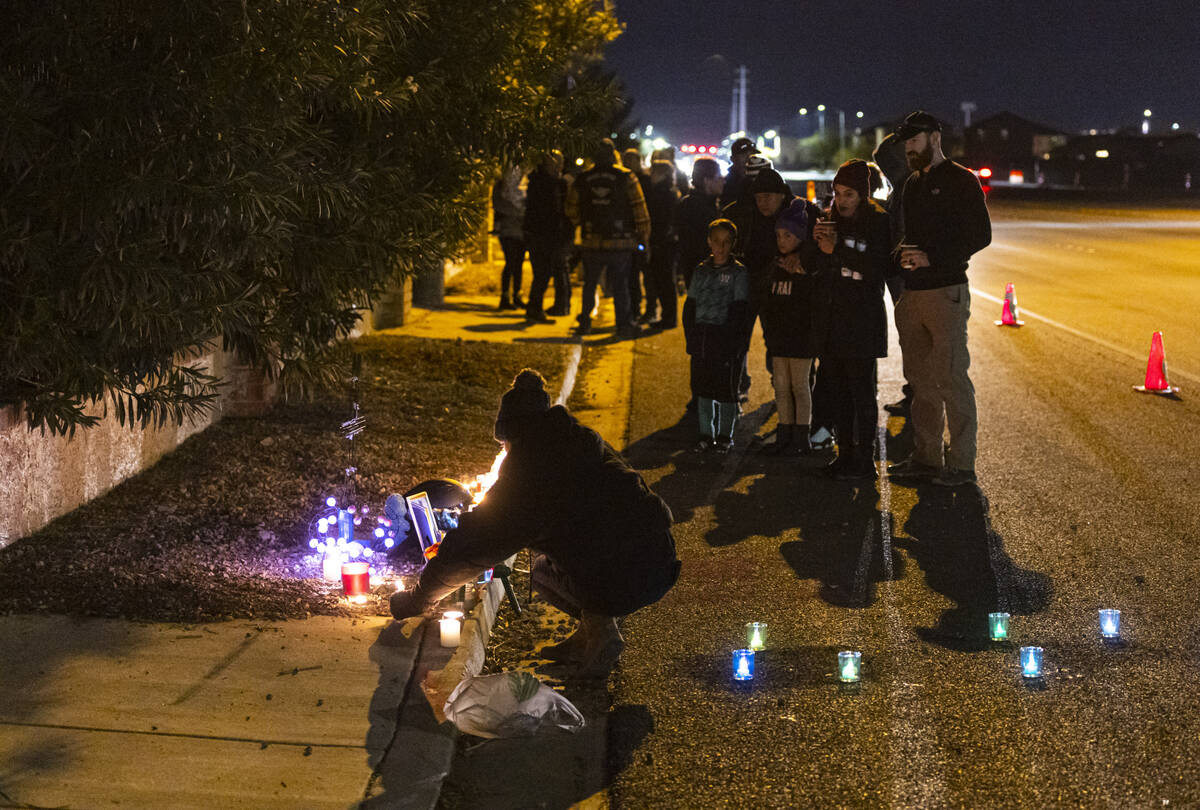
<point>755,164</point>
<point>857,175</point>
<point>768,181</point>
<point>527,398</point>
<point>794,219</point>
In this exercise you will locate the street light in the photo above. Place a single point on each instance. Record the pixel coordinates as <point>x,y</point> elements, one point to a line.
<point>1146,121</point>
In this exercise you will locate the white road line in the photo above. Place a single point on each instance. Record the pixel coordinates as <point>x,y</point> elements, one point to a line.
<point>1113,225</point>
<point>569,375</point>
<point>1141,358</point>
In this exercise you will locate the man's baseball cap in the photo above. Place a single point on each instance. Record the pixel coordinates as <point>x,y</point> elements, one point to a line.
<point>743,146</point>
<point>917,122</point>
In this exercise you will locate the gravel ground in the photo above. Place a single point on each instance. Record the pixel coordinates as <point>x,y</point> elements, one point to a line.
<point>218,529</point>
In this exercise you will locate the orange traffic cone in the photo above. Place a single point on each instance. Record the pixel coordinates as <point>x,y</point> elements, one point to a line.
<point>1156,370</point>
<point>1009,316</point>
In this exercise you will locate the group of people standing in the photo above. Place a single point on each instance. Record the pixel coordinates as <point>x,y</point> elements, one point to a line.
<point>748,250</point>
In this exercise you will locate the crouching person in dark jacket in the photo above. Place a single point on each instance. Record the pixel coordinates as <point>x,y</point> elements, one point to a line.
<point>604,539</point>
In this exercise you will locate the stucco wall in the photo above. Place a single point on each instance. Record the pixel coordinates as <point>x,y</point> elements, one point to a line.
<point>44,476</point>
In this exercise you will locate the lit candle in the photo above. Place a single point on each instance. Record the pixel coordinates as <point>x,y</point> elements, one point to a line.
<point>849,665</point>
<point>331,566</point>
<point>756,635</point>
<point>356,578</point>
<point>450,627</point>
<point>1031,662</point>
<point>1110,623</point>
<point>998,626</point>
<point>743,665</point>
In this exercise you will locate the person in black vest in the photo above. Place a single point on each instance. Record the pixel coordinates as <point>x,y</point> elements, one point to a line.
<point>606,202</point>
<point>661,291</point>
<point>631,159</point>
<point>853,254</point>
<point>603,538</point>
<point>547,234</point>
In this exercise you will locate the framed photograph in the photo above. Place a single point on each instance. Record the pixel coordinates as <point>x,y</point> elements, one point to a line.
<point>424,523</point>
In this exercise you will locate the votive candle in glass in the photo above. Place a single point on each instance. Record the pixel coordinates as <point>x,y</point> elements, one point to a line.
<point>849,666</point>
<point>1031,662</point>
<point>756,635</point>
<point>743,665</point>
<point>356,578</point>
<point>451,628</point>
<point>998,626</point>
<point>1110,623</point>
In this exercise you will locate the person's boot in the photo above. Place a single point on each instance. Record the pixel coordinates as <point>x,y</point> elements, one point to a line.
<point>569,649</point>
<point>784,436</point>
<point>603,648</point>
<point>801,443</point>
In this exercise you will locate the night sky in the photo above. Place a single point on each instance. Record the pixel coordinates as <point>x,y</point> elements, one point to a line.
<point>1070,64</point>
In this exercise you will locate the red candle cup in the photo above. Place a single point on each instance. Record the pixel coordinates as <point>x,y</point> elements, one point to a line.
<point>356,578</point>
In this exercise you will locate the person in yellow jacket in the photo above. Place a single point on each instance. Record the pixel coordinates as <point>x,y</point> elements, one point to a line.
<point>607,204</point>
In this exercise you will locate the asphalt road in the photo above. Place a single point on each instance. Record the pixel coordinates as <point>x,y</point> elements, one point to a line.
<point>1087,499</point>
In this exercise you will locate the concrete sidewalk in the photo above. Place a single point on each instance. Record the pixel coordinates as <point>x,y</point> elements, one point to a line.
<point>326,712</point>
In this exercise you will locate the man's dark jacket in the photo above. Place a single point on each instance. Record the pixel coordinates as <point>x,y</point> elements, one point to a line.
<point>563,491</point>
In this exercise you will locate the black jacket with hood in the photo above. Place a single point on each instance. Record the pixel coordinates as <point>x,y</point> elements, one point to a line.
<point>564,492</point>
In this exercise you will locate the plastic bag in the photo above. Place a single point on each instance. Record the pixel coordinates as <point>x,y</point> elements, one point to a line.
<point>510,704</point>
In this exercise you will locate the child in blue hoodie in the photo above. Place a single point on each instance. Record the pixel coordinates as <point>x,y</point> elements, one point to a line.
<point>717,323</point>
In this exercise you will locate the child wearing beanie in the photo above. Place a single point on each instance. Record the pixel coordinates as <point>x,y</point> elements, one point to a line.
<point>788,329</point>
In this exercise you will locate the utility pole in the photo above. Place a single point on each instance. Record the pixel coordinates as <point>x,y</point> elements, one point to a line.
<point>742,98</point>
<point>967,108</point>
<point>733,110</point>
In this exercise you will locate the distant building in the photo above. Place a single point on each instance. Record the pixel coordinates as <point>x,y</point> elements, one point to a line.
<point>1012,147</point>
<point>1124,160</point>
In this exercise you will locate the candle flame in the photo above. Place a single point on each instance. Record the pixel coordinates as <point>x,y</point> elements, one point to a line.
<point>479,488</point>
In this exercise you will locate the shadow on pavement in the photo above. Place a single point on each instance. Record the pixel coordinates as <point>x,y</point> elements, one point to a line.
<point>841,542</point>
<point>950,536</point>
<point>551,770</point>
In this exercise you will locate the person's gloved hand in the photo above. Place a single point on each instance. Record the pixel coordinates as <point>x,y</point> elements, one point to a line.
<point>405,604</point>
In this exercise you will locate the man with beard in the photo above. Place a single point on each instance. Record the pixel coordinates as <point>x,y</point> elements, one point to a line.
<point>945,222</point>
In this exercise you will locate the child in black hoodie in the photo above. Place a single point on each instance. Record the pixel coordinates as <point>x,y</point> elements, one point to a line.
<point>792,340</point>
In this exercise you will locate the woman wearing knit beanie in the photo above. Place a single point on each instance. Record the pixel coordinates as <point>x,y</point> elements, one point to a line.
<point>603,538</point>
<point>853,250</point>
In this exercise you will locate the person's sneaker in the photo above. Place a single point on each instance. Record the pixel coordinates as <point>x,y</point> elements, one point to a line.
<point>584,328</point>
<point>505,304</point>
<point>722,447</point>
<point>899,407</point>
<point>539,317</point>
<point>821,439</point>
<point>629,332</point>
<point>558,312</point>
<point>661,326</point>
<point>911,468</point>
<point>703,446</point>
<point>645,318</point>
<point>954,477</point>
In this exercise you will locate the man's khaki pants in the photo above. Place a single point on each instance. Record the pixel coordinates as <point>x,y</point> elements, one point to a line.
<point>933,338</point>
